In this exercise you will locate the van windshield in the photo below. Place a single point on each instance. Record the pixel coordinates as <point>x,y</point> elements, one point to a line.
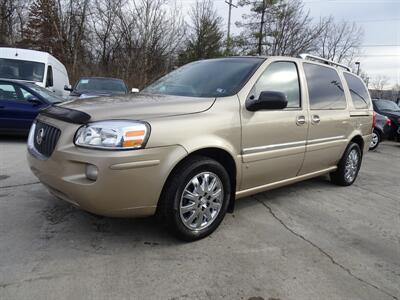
<point>207,78</point>
<point>21,70</point>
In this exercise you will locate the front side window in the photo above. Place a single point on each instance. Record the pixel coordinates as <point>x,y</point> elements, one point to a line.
<point>45,93</point>
<point>325,89</point>
<point>359,94</point>
<point>280,77</point>
<point>21,70</point>
<point>8,92</point>
<point>207,78</point>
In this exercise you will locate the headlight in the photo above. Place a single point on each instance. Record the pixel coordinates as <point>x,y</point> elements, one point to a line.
<point>113,135</point>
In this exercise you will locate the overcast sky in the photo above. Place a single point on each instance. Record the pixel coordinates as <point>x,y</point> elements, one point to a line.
<point>380,20</point>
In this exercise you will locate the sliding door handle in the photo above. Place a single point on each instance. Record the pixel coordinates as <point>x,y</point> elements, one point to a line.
<point>315,119</point>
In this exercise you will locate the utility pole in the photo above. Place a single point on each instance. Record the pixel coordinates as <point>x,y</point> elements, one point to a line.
<point>228,41</point>
<point>260,38</point>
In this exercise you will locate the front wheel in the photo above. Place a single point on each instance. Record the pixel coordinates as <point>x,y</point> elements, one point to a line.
<point>196,198</point>
<point>376,139</point>
<point>348,167</point>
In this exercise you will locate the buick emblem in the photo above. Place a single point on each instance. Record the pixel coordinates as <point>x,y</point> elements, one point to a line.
<point>40,136</point>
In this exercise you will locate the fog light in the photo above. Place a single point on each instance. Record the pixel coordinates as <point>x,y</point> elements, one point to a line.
<point>92,172</point>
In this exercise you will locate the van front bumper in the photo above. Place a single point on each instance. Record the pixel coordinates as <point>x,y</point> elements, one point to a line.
<point>128,184</point>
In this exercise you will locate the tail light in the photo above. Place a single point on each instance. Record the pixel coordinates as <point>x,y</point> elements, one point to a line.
<point>388,122</point>
<point>373,120</point>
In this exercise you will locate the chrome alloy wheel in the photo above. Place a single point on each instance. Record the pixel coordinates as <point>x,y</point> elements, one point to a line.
<point>351,167</point>
<point>201,201</point>
<point>375,140</point>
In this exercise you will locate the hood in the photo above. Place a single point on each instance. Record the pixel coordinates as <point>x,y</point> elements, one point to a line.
<point>139,106</point>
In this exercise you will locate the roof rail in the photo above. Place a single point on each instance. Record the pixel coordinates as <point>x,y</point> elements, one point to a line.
<point>323,60</point>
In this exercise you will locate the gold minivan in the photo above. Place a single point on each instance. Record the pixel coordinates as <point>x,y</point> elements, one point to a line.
<point>202,136</point>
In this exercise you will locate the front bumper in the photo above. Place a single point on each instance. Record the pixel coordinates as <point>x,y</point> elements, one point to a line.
<point>129,183</point>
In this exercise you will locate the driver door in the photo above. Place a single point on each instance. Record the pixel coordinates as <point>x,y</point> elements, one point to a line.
<point>274,141</point>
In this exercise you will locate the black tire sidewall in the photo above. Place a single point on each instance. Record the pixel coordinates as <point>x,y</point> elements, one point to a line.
<point>182,177</point>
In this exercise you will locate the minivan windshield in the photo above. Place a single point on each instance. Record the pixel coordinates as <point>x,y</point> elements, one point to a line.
<point>101,84</point>
<point>207,78</point>
<point>21,69</point>
<point>387,105</point>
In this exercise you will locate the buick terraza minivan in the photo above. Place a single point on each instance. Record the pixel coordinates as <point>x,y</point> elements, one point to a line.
<point>202,136</point>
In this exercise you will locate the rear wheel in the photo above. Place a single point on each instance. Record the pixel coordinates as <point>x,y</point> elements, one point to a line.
<point>376,139</point>
<point>348,167</point>
<point>196,198</point>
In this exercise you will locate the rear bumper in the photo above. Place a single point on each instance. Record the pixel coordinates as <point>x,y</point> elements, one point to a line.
<point>129,183</point>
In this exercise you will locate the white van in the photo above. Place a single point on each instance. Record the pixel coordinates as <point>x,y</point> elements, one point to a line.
<point>34,66</point>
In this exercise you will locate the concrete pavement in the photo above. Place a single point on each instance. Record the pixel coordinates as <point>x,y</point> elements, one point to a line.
<point>312,240</point>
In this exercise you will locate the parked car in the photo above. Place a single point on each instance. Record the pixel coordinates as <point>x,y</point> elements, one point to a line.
<point>389,109</point>
<point>38,67</point>
<point>88,87</point>
<point>381,130</point>
<point>20,103</point>
<point>198,138</point>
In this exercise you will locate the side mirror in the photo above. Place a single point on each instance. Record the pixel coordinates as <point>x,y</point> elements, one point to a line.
<point>68,88</point>
<point>135,90</point>
<point>267,100</point>
<point>34,101</point>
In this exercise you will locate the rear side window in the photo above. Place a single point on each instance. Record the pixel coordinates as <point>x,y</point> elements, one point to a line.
<point>325,89</point>
<point>359,94</point>
<point>282,77</point>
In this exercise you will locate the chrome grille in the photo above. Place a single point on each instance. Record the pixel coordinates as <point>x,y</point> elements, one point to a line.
<point>45,138</point>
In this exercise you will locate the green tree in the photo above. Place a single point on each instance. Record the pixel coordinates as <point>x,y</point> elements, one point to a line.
<point>205,36</point>
<point>276,27</point>
<point>42,32</point>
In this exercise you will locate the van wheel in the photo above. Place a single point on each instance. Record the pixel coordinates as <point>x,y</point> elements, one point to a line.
<point>348,167</point>
<point>196,198</point>
<point>376,139</point>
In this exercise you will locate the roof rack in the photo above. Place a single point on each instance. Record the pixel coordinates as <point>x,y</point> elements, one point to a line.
<point>323,60</point>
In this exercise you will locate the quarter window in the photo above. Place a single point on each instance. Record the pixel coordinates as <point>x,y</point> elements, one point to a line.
<point>280,77</point>
<point>325,89</point>
<point>359,94</point>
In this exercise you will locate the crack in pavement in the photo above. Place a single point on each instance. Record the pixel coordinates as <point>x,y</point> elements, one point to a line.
<point>18,185</point>
<point>28,280</point>
<point>347,270</point>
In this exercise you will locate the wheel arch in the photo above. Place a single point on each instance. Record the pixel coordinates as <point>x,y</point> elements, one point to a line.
<point>222,156</point>
<point>358,139</point>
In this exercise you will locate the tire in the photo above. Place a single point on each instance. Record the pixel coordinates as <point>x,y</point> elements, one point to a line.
<point>376,139</point>
<point>193,217</point>
<point>348,169</point>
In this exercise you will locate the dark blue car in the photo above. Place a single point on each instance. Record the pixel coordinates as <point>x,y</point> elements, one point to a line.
<point>20,102</point>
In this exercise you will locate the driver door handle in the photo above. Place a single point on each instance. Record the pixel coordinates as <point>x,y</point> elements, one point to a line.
<point>315,119</point>
<point>300,120</point>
